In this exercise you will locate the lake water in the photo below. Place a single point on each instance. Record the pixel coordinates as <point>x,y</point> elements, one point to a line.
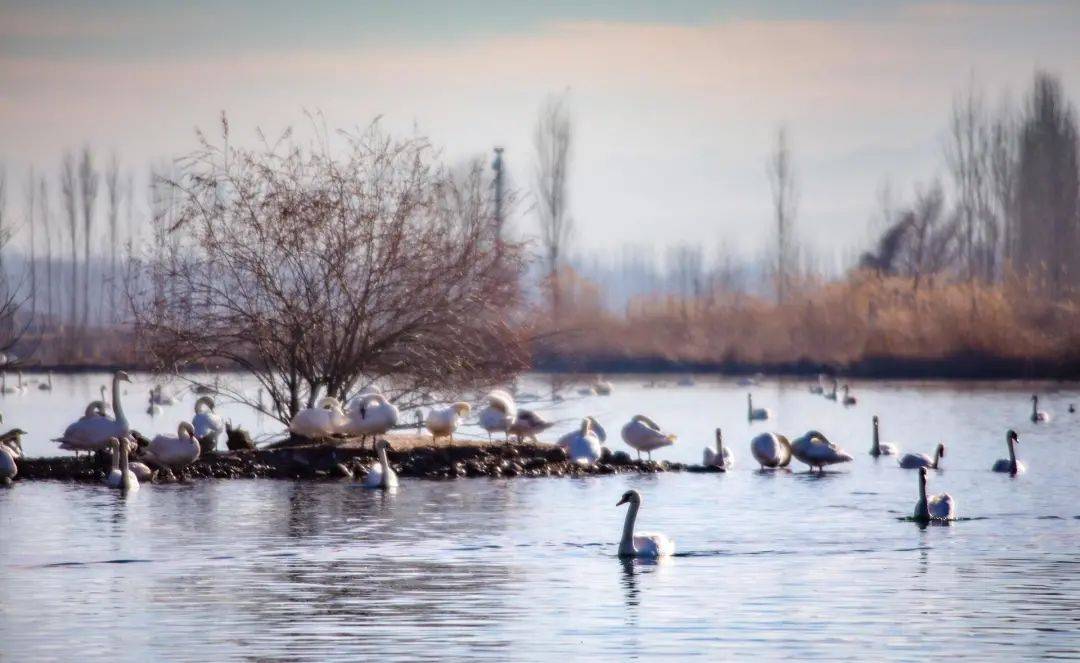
<point>769,565</point>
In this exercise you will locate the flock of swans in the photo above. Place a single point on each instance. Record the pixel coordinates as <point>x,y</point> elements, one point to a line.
<point>372,415</point>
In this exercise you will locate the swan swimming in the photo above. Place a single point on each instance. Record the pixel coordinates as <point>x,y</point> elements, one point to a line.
<point>381,475</point>
<point>318,422</point>
<point>640,545</point>
<point>121,476</point>
<point>1037,415</point>
<point>499,414</point>
<point>815,450</point>
<point>832,394</point>
<point>879,448</point>
<point>721,458</point>
<point>642,434</point>
<point>756,414</point>
<point>1010,465</point>
<point>92,432</point>
<point>771,451</point>
<point>585,445</point>
<point>443,423</point>
<point>933,507</point>
<point>848,398</point>
<point>913,461</point>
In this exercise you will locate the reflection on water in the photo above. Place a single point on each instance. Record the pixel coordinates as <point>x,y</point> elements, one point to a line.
<point>773,564</point>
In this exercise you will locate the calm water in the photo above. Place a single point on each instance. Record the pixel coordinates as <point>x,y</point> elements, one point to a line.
<point>785,565</point>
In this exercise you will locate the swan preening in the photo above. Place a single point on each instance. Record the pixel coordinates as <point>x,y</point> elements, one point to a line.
<point>207,423</point>
<point>93,430</point>
<point>756,414</point>
<point>121,477</point>
<point>1037,415</point>
<point>443,422</point>
<point>815,450</point>
<point>370,414</point>
<point>1010,465</point>
<point>529,424</point>
<point>585,445</point>
<point>381,475</point>
<point>879,448</point>
<point>933,507</point>
<point>721,458</point>
<point>642,434</point>
<point>499,414</point>
<point>174,453</point>
<point>319,422</point>
<point>10,451</point>
<point>640,545</point>
<point>913,461</point>
<point>771,451</point>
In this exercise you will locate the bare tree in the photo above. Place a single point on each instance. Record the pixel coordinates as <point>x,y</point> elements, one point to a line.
<point>112,188</point>
<point>46,225</point>
<point>1004,148</point>
<point>10,301</point>
<point>89,179</point>
<point>69,195</point>
<point>785,196</point>
<point>323,274</point>
<point>553,139</point>
<point>31,226</point>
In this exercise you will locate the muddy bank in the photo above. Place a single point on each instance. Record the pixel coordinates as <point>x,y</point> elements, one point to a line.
<point>412,457</point>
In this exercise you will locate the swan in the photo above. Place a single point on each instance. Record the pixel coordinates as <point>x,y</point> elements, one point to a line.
<point>815,450</point>
<point>879,448</point>
<point>20,387</point>
<point>10,451</point>
<point>756,414</point>
<point>529,424</point>
<point>602,387</point>
<point>771,451</point>
<point>152,409</point>
<point>4,388</point>
<point>848,398</point>
<point>832,394</point>
<point>121,476</point>
<point>46,386</point>
<point>207,423</point>
<point>1037,415</point>
<point>584,446</point>
<point>499,414</point>
<point>381,475</point>
<point>443,423</point>
<point>933,507</point>
<point>319,422</point>
<point>160,396</point>
<point>371,414</point>
<point>642,434</point>
<point>640,545</point>
<point>174,453</point>
<point>594,426</point>
<point>818,387</point>
<point>1010,464</point>
<point>93,430</point>
<point>913,461</point>
<point>720,458</point>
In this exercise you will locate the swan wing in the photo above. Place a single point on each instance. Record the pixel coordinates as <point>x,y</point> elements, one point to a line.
<point>653,545</point>
<point>941,506</point>
<point>915,461</point>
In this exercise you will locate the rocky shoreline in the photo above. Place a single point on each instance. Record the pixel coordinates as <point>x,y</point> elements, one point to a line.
<point>338,460</point>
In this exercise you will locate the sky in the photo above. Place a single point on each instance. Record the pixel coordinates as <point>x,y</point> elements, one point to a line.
<point>675,104</point>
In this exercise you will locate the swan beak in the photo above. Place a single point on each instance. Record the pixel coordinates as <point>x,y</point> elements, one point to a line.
<point>621,502</point>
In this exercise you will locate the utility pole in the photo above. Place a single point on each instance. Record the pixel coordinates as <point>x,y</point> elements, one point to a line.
<point>497,166</point>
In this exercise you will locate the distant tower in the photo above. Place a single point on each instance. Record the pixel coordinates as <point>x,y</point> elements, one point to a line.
<point>497,166</point>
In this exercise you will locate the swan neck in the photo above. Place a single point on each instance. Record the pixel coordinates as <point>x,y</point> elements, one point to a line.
<point>627,543</point>
<point>1012,456</point>
<point>937,456</point>
<point>922,487</point>
<point>118,410</point>
<point>116,458</point>
<point>877,442</point>
<point>384,462</point>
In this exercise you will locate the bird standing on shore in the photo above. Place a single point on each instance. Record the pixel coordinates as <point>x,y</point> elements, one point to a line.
<point>642,434</point>
<point>529,424</point>
<point>174,453</point>
<point>585,445</point>
<point>499,414</point>
<point>207,423</point>
<point>443,422</point>
<point>93,430</point>
<point>318,422</point>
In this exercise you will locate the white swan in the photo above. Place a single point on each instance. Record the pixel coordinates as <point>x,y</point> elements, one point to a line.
<point>371,414</point>
<point>914,461</point>
<point>10,451</point>
<point>319,422</point>
<point>121,476</point>
<point>642,434</point>
<point>756,414</point>
<point>640,545</point>
<point>529,424</point>
<point>499,414</point>
<point>879,448</point>
<point>443,423</point>
<point>848,398</point>
<point>933,507</point>
<point>815,450</point>
<point>1010,465</point>
<point>381,475</point>
<point>174,453</point>
<point>832,394</point>
<point>771,451</point>
<point>819,386</point>
<point>584,445</point>
<point>1037,415</point>
<point>152,409</point>
<point>594,426</point>
<point>602,387</point>
<point>92,432</point>
<point>720,458</point>
<point>160,396</point>
<point>207,423</point>
<point>47,385</point>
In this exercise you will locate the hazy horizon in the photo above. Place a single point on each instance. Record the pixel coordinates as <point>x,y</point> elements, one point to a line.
<point>674,106</point>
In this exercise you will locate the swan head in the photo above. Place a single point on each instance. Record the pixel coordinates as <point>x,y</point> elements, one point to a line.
<point>1011,436</point>
<point>122,376</point>
<point>875,421</point>
<point>461,408</point>
<point>113,444</point>
<point>207,401</point>
<point>631,496</point>
<point>941,450</point>
<point>383,445</point>
<point>922,474</point>
<point>586,426</point>
<point>185,429</point>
